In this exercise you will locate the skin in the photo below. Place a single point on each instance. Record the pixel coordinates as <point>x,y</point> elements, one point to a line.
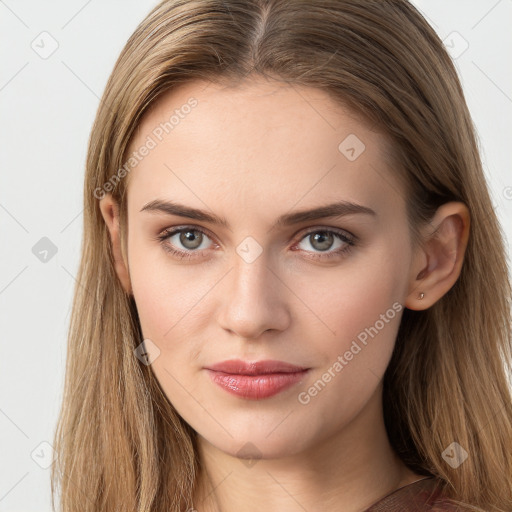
<point>250,153</point>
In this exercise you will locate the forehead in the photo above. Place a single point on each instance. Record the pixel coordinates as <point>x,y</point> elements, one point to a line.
<point>264,142</point>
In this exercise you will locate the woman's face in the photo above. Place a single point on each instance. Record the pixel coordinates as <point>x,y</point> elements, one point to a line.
<point>270,283</point>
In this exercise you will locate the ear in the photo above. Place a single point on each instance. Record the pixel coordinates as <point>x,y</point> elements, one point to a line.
<point>110,211</point>
<point>438,261</point>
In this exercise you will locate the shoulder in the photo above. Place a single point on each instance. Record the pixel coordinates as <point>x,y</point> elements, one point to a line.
<point>424,495</point>
<point>444,505</point>
<point>440,502</point>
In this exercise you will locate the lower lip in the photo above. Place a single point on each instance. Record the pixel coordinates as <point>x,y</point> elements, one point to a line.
<point>256,387</point>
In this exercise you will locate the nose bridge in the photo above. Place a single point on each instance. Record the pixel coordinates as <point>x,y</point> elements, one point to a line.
<point>251,278</point>
<point>254,301</point>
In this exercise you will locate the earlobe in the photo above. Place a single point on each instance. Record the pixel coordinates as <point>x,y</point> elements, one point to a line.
<point>110,212</point>
<point>440,259</point>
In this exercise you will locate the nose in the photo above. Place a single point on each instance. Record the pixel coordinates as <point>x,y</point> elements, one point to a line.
<point>254,299</point>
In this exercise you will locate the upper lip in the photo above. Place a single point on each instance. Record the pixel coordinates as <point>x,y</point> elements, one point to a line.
<point>239,367</point>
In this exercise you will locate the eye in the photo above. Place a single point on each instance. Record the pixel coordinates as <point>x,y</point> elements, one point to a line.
<point>191,239</point>
<point>323,240</point>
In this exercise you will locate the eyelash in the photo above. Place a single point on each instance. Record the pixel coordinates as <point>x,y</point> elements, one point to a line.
<point>348,239</point>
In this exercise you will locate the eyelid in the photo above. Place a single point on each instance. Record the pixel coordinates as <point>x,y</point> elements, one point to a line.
<point>173,230</point>
<point>302,232</point>
<point>339,231</point>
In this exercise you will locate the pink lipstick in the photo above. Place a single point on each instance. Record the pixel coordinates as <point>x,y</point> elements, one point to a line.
<point>255,380</point>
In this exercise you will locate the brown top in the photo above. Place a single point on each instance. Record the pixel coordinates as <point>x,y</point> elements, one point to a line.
<point>424,495</point>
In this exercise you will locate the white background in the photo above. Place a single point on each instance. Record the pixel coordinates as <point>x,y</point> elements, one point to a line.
<point>47,107</point>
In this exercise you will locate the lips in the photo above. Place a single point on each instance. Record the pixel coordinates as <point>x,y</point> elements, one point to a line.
<point>255,380</point>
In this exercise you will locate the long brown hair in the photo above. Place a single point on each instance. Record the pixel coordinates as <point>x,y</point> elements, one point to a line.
<point>120,444</point>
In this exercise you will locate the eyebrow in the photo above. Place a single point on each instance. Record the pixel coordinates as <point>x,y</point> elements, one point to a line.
<point>338,209</point>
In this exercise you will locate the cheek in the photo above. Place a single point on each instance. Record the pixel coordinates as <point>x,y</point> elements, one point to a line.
<point>360,309</point>
<point>166,294</point>
<point>351,298</point>
<point>363,313</point>
<point>170,312</point>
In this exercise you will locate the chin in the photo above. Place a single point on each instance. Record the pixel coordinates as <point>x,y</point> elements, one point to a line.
<point>252,443</point>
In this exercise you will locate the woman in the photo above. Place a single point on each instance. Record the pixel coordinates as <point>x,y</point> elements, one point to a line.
<point>293,291</point>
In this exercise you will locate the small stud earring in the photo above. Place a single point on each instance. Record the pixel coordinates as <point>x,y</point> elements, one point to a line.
<point>421,295</point>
